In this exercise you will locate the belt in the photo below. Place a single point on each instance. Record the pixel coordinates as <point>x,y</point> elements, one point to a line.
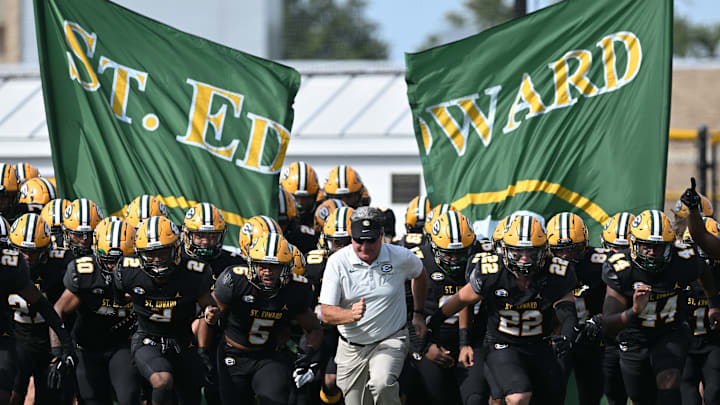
<point>344,339</point>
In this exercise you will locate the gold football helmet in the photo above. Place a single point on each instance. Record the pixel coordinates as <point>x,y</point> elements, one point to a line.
<point>142,208</point>
<point>299,262</point>
<point>323,211</point>
<point>36,192</point>
<point>616,233</point>
<point>651,239</point>
<point>157,243</point>
<point>53,213</point>
<point>79,221</point>
<point>416,213</point>
<point>30,235</point>
<point>4,233</point>
<point>344,183</point>
<point>706,208</point>
<point>287,210</point>
<point>9,186</point>
<point>254,228</point>
<point>567,236</point>
<point>300,180</point>
<point>25,171</point>
<point>497,235</point>
<point>203,231</point>
<point>524,246</point>
<point>271,260</point>
<point>451,240</point>
<point>712,227</point>
<point>336,232</point>
<point>434,213</point>
<point>112,240</point>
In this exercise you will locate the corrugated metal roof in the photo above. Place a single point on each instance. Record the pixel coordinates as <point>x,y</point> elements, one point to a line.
<point>355,98</point>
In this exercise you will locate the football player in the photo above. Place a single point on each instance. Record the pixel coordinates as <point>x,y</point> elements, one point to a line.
<point>15,285</point>
<point>344,184</point>
<point>30,236</point>
<point>9,187</point>
<point>25,171</point>
<point>258,301</point>
<point>336,235</point>
<point>568,240</point>
<point>287,211</point>
<point>615,238</point>
<point>35,193</point>
<point>300,180</point>
<point>703,361</point>
<point>104,324</point>
<point>203,234</point>
<point>164,289</point>
<point>434,213</point>
<point>79,221</point>
<point>254,228</point>
<point>497,235</point>
<point>53,213</point>
<point>524,289</point>
<point>451,368</point>
<point>415,217</point>
<point>643,307</point>
<point>142,208</point>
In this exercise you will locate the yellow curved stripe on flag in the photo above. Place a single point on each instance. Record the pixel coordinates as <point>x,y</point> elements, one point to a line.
<point>532,186</point>
<point>181,202</point>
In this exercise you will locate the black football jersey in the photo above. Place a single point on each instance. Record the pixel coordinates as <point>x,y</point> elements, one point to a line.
<point>102,321</point>
<point>667,305</point>
<point>31,329</point>
<point>14,277</point>
<point>164,309</point>
<point>256,320</point>
<point>218,265</point>
<point>410,240</point>
<point>520,316</point>
<point>316,260</point>
<point>304,237</point>
<point>440,288</point>
<point>702,338</point>
<point>590,290</point>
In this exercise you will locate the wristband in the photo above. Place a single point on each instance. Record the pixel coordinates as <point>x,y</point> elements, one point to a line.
<point>419,311</point>
<point>714,302</point>
<point>465,337</point>
<point>630,314</point>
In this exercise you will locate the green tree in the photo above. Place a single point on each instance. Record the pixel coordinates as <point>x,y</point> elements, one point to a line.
<point>330,29</point>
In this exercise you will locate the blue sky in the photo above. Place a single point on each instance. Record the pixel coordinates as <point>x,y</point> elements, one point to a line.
<point>406,23</point>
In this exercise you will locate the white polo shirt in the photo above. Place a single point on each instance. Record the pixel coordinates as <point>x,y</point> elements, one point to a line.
<point>347,279</point>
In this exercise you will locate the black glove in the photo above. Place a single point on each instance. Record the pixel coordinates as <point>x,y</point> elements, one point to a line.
<point>561,345</point>
<point>690,197</point>
<point>590,333</point>
<point>210,372</point>
<point>62,367</point>
<point>307,367</point>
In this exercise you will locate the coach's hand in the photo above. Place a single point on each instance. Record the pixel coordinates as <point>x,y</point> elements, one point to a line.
<point>358,310</point>
<point>418,322</point>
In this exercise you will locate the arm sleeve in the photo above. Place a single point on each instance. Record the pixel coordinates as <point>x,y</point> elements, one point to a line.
<point>478,282</point>
<point>224,287</point>
<point>22,275</point>
<point>71,280</point>
<point>414,265</point>
<point>330,293</point>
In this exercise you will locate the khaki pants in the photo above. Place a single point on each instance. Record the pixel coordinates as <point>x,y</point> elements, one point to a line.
<point>369,375</point>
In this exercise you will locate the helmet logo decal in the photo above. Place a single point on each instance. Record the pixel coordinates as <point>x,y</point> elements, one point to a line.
<point>190,213</point>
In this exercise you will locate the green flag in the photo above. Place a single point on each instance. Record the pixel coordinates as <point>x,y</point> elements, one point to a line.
<point>566,109</point>
<point>136,107</point>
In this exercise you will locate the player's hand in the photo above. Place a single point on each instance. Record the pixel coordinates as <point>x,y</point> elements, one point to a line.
<point>440,356</point>
<point>62,367</point>
<point>561,345</point>
<point>690,197</point>
<point>641,296</point>
<point>303,375</point>
<point>418,323</point>
<point>714,318</point>
<point>467,356</point>
<point>211,315</point>
<point>210,373</point>
<point>358,310</point>
<point>591,330</point>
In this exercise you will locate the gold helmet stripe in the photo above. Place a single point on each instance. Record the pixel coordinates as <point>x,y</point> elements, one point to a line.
<point>153,230</point>
<point>623,226</point>
<point>207,214</point>
<point>115,228</point>
<point>302,176</point>
<point>30,227</point>
<point>281,201</point>
<point>422,201</point>
<point>20,170</point>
